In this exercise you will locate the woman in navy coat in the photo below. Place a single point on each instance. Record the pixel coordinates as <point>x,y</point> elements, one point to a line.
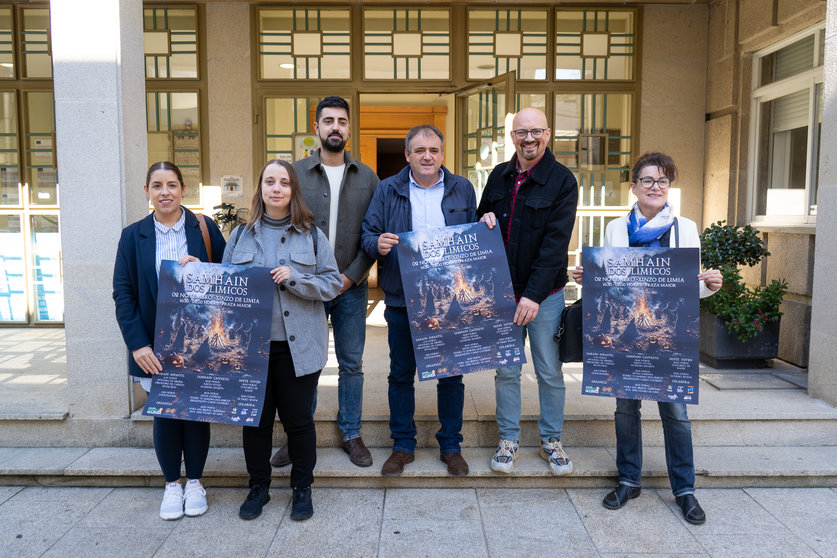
<point>170,232</point>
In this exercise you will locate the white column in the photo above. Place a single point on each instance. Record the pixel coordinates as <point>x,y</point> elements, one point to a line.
<point>822,370</point>
<point>99,84</point>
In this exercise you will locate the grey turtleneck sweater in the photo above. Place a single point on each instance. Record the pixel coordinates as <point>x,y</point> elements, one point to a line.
<point>272,231</point>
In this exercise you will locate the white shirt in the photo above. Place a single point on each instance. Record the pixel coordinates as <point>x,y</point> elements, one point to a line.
<point>426,204</point>
<point>335,180</point>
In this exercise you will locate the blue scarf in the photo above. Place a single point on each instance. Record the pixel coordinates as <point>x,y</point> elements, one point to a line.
<point>647,233</point>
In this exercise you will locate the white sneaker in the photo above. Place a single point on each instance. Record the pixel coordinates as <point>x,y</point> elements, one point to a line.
<point>195,497</point>
<point>557,458</point>
<point>172,506</point>
<point>503,459</point>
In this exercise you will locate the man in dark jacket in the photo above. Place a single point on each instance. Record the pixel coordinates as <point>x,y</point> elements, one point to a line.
<point>338,189</point>
<point>533,199</point>
<point>423,195</point>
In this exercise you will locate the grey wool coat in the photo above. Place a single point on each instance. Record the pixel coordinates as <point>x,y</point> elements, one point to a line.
<point>313,279</point>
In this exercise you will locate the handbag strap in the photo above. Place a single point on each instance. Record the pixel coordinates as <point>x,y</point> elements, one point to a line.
<point>205,234</point>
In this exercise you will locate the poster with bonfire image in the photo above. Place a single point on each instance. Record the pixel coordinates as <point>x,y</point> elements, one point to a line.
<point>641,323</point>
<point>460,300</point>
<point>212,337</point>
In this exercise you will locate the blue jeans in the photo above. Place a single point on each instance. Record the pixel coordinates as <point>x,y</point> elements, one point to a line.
<point>677,431</point>
<point>450,392</point>
<point>547,366</point>
<point>348,325</point>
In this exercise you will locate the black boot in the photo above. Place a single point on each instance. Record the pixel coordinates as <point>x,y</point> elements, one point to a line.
<point>302,508</point>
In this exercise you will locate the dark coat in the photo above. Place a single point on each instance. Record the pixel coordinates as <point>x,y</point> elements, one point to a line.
<point>356,190</point>
<point>135,277</point>
<point>390,211</point>
<point>542,224</point>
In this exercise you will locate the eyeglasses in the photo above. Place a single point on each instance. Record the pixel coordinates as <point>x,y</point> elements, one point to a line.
<point>647,182</point>
<point>537,133</point>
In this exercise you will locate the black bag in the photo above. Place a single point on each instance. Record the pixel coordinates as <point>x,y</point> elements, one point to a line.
<point>569,336</point>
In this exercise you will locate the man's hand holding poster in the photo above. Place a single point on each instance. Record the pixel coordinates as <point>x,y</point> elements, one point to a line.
<point>460,300</point>
<point>641,323</point>
<point>213,340</point>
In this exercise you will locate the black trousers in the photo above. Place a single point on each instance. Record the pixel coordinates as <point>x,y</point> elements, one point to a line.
<point>173,439</point>
<point>292,397</point>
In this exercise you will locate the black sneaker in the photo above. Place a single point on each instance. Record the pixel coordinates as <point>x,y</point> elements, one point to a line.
<point>256,499</point>
<point>302,507</point>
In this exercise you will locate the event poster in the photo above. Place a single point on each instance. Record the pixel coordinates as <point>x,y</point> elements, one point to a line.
<point>213,340</point>
<point>460,300</point>
<point>641,323</point>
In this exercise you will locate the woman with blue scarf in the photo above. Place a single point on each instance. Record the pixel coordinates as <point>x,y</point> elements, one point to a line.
<point>651,222</point>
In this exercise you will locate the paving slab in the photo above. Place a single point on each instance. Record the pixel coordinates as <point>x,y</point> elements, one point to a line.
<point>644,526</point>
<point>728,512</point>
<point>425,522</point>
<point>36,518</point>
<point>549,521</point>
<point>220,532</point>
<point>138,507</point>
<point>755,546</point>
<point>7,492</point>
<point>810,513</point>
<point>747,381</point>
<point>124,541</point>
<point>38,461</point>
<point>351,517</point>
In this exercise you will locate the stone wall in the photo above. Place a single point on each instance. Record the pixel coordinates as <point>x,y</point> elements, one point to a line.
<point>760,23</point>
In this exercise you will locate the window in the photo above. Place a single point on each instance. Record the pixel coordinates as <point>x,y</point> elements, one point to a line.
<point>785,129</point>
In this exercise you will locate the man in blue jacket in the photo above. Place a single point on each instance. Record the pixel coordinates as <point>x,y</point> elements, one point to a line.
<point>423,195</point>
<point>533,198</point>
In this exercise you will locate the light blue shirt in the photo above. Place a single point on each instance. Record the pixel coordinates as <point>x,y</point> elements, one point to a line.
<point>426,203</point>
<point>171,242</point>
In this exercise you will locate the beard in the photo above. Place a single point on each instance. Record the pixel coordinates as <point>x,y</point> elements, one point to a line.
<point>529,152</point>
<point>332,146</point>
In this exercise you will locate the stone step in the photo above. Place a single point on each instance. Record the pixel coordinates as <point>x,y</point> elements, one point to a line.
<point>717,467</point>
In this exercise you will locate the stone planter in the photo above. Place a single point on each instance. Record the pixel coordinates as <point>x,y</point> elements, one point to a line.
<point>721,349</point>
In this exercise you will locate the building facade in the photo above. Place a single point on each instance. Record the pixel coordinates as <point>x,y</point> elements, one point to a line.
<point>735,90</point>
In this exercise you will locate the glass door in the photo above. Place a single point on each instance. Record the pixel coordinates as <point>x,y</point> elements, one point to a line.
<point>484,113</point>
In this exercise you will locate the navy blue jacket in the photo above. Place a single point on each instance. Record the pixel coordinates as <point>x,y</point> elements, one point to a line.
<point>390,211</point>
<point>542,224</point>
<point>135,277</point>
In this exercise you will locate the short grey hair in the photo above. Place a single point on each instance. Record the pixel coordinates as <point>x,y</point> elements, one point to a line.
<point>425,130</point>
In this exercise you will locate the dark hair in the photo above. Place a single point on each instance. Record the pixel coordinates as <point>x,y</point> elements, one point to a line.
<point>164,165</point>
<point>655,159</point>
<point>425,130</point>
<point>301,216</point>
<point>331,102</point>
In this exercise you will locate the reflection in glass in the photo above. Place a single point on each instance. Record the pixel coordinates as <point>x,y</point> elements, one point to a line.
<point>9,173</point>
<point>175,56</point>
<point>485,134</point>
<point>46,268</point>
<point>406,44</point>
<point>329,58</point>
<point>40,148</point>
<point>7,54</point>
<point>12,270</point>
<point>37,53</point>
<point>491,36</point>
<point>174,135</point>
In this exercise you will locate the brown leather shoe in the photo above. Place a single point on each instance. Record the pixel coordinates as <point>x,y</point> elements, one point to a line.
<point>394,466</point>
<point>281,457</point>
<point>358,454</point>
<point>456,464</point>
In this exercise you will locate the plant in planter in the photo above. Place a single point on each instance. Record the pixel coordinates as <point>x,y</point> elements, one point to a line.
<point>748,316</point>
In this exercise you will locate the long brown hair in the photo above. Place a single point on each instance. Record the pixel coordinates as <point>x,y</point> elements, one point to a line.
<point>301,216</point>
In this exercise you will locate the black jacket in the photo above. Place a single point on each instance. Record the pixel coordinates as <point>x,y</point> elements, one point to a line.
<point>542,224</point>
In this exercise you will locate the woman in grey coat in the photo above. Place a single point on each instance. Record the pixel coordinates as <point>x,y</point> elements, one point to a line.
<point>281,236</point>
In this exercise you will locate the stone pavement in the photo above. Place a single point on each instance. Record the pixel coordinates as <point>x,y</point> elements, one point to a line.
<point>465,522</point>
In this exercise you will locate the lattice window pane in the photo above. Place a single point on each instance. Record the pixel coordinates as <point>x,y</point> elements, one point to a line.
<point>595,44</point>
<point>501,41</point>
<point>171,43</point>
<point>304,43</point>
<point>173,127</point>
<point>36,47</point>
<point>9,171</point>
<point>406,44</point>
<point>7,54</point>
